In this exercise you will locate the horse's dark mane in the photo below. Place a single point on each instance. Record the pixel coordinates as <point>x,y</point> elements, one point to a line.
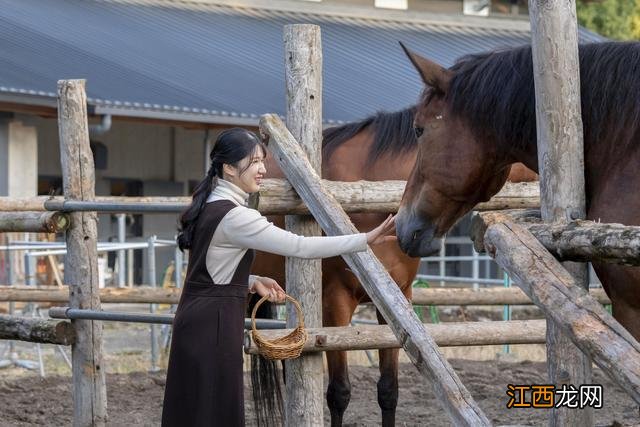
<point>494,93</point>
<point>393,134</point>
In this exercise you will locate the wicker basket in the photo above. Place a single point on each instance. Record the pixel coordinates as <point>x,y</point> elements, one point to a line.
<point>286,347</point>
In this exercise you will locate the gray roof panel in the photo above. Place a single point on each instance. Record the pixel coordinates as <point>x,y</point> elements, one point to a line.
<point>210,63</point>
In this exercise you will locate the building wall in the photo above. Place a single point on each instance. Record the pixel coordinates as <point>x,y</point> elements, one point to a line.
<point>161,159</point>
<point>497,7</point>
<point>18,148</point>
<point>135,151</point>
<point>436,6</point>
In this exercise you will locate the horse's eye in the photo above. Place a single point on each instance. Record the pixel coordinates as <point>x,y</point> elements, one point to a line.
<point>419,131</point>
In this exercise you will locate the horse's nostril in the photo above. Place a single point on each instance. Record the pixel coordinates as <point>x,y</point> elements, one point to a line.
<point>419,131</point>
<point>415,234</point>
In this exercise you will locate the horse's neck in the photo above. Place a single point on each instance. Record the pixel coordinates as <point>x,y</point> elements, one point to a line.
<point>521,173</point>
<point>349,162</point>
<point>609,183</point>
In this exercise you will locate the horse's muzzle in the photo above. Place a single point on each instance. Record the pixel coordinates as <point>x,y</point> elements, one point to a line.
<point>415,236</point>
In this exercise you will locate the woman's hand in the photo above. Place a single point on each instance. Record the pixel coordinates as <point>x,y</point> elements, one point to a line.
<point>266,286</point>
<point>379,234</point>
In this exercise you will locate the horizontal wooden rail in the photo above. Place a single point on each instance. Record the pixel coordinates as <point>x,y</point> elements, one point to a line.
<point>33,329</point>
<point>150,295</point>
<point>369,337</point>
<point>34,222</point>
<point>277,197</point>
<point>141,294</point>
<point>578,240</point>
<point>483,296</point>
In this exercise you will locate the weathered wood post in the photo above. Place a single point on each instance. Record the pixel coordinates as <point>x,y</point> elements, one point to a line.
<point>81,266</point>
<point>303,75</point>
<point>554,43</point>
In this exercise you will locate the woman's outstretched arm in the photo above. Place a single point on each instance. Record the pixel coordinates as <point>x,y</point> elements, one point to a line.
<point>247,228</point>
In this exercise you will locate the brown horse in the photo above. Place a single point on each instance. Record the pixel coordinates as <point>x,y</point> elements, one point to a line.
<point>479,115</point>
<point>381,147</point>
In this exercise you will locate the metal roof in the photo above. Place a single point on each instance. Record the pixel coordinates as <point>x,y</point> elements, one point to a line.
<point>212,63</point>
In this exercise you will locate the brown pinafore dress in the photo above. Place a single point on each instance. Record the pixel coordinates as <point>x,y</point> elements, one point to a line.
<point>204,378</point>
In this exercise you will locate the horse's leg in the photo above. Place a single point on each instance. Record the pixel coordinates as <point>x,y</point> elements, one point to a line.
<point>620,282</point>
<point>403,270</point>
<point>338,305</point>
<point>339,388</point>
<point>388,382</point>
<point>621,285</point>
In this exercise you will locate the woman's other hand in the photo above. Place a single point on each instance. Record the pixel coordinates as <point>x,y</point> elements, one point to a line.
<point>379,234</point>
<point>266,286</point>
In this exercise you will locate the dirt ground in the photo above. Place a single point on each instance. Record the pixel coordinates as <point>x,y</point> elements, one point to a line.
<point>135,399</point>
<point>135,395</point>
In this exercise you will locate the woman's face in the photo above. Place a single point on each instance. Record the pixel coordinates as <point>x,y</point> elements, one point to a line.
<point>250,172</point>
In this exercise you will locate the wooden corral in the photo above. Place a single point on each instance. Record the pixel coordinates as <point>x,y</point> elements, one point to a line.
<point>570,309</point>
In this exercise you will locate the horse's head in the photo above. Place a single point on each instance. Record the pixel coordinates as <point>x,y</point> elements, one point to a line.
<point>454,169</point>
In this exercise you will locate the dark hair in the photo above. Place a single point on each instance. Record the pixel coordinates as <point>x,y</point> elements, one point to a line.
<point>392,134</point>
<point>230,148</point>
<point>495,93</point>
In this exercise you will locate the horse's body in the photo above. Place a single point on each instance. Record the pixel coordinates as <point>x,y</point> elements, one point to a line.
<point>382,147</point>
<point>480,116</point>
<point>346,157</point>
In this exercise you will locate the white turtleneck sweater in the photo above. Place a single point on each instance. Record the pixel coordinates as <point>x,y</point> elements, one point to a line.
<point>244,228</point>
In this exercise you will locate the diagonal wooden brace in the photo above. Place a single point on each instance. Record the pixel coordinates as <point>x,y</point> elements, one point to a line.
<point>384,292</point>
<point>550,286</point>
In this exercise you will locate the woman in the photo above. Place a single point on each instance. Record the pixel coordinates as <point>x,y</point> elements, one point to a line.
<point>205,379</point>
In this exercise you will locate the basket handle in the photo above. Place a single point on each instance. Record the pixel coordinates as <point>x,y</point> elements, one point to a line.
<point>295,303</point>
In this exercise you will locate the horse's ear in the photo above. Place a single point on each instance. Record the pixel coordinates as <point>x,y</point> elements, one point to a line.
<point>432,74</point>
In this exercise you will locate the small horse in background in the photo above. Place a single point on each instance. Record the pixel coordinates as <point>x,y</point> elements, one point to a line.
<point>381,147</point>
<point>479,115</point>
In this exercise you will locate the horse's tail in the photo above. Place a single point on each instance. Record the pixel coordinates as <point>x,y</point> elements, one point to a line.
<point>265,377</point>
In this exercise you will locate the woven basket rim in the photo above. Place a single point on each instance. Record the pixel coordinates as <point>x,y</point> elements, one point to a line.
<point>282,347</point>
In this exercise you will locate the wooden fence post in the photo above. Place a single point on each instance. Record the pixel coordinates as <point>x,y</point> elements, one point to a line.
<point>554,45</point>
<point>81,265</point>
<point>304,404</point>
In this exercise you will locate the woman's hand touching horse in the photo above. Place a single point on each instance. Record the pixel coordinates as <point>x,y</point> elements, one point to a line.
<point>379,234</point>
